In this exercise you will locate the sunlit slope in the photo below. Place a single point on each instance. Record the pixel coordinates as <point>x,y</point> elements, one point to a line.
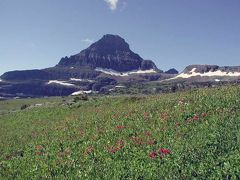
<point>179,135</point>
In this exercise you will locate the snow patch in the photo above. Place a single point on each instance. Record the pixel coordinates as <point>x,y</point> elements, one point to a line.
<point>193,70</point>
<point>207,74</point>
<point>217,80</point>
<point>81,80</point>
<point>110,90</point>
<point>116,73</point>
<point>119,86</point>
<point>81,92</point>
<point>63,83</point>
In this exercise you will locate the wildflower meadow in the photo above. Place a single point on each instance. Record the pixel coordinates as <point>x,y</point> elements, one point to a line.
<point>183,135</point>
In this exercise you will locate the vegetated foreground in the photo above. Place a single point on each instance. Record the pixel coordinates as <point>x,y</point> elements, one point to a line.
<point>180,135</point>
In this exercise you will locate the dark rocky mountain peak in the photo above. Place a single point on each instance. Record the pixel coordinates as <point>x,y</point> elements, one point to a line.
<point>110,52</point>
<point>110,44</point>
<point>171,71</point>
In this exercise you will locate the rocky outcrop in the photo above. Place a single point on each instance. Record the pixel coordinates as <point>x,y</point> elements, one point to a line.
<point>25,75</point>
<point>200,68</point>
<point>110,52</point>
<point>102,64</point>
<point>209,73</point>
<point>210,68</point>
<point>171,71</point>
<point>101,67</point>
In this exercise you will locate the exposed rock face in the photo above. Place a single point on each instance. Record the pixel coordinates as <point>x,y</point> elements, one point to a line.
<point>171,71</point>
<point>210,68</point>
<point>209,73</point>
<point>62,73</point>
<point>201,68</point>
<point>25,75</point>
<point>101,67</point>
<point>110,52</point>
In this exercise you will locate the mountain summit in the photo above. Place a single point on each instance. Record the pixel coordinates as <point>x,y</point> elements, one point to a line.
<point>106,66</point>
<point>110,52</point>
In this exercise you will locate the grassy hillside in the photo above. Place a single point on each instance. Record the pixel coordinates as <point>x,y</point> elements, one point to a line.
<point>173,136</point>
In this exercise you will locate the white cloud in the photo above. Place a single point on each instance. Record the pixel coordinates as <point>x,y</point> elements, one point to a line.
<point>112,4</point>
<point>87,41</point>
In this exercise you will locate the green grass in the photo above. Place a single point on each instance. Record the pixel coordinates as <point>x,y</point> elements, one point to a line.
<point>15,105</point>
<point>113,137</point>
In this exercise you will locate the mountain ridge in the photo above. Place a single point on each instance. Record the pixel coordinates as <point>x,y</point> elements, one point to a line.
<point>107,63</point>
<point>111,52</point>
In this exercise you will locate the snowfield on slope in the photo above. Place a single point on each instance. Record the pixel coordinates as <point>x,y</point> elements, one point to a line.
<point>81,92</point>
<point>81,80</point>
<point>217,73</point>
<point>63,83</point>
<point>116,73</point>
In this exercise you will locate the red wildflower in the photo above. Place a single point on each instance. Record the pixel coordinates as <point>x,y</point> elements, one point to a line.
<point>177,124</point>
<point>39,147</point>
<point>195,117</point>
<point>39,150</point>
<point>161,156</point>
<point>164,151</point>
<point>120,142</point>
<point>204,115</point>
<point>115,116</point>
<point>127,115</point>
<point>153,155</point>
<point>119,146</point>
<point>89,150</point>
<point>39,153</point>
<point>120,127</point>
<point>164,116</point>
<point>146,115</point>
<point>151,142</point>
<point>113,150</point>
<point>148,133</point>
<point>81,132</point>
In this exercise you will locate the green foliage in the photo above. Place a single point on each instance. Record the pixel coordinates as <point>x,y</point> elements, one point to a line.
<point>24,106</point>
<point>82,97</point>
<point>183,135</point>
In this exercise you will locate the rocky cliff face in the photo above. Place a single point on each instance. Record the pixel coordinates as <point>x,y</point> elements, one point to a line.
<point>110,52</point>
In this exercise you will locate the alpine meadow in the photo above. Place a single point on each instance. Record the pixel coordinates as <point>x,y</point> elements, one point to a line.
<point>177,135</point>
<point>120,89</point>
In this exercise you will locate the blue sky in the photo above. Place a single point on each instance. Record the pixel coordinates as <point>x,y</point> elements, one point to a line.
<point>35,34</point>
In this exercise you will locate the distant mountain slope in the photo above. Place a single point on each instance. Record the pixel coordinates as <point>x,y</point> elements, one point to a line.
<point>210,73</point>
<point>104,67</point>
<point>172,71</point>
<point>210,70</point>
<point>95,68</point>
